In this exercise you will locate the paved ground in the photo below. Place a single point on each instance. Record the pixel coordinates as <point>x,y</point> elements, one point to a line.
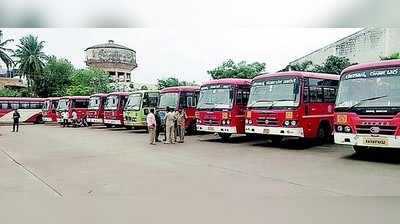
<point>115,174</point>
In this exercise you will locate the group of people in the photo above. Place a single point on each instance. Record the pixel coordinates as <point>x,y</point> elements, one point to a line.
<point>174,123</point>
<point>74,118</point>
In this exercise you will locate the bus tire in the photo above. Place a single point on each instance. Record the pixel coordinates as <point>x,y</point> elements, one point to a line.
<point>108,125</point>
<point>323,134</point>
<point>224,136</point>
<point>128,127</point>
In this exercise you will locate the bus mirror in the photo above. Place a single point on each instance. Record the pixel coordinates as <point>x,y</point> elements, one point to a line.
<point>296,88</point>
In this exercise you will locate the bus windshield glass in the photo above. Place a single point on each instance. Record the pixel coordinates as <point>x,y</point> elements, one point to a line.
<point>46,105</point>
<point>62,105</point>
<point>134,101</point>
<point>371,88</point>
<point>94,103</point>
<point>111,103</point>
<point>168,100</point>
<point>275,93</point>
<point>218,97</point>
<point>150,99</point>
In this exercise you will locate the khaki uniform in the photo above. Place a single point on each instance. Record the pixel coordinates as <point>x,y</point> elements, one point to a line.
<point>169,127</point>
<point>181,119</point>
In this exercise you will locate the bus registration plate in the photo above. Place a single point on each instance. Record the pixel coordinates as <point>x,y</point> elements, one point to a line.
<point>210,128</point>
<point>266,131</point>
<point>375,141</point>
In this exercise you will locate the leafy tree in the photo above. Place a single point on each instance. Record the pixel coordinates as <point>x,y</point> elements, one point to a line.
<point>230,69</point>
<point>391,57</point>
<point>86,82</point>
<point>172,81</point>
<point>306,66</point>
<point>7,60</point>
<point>30,58</point>
<point>9,92</point>
<point>333,64</point>
<point>55,79</point>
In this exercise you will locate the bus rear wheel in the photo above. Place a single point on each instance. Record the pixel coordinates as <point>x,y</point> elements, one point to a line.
<point>224,136</point>
<point>108,125</point>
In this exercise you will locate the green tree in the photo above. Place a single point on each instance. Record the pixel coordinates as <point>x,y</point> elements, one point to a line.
<point>333,64</point>
<point>30,58</point>
<point>306,66</point>
<point>55,79</point>
<point>391,57</point>
<point>9,92</point>
<point>230,69</point>
<point>86,82</point>
<point>7,60</point>
<point>172,81</point>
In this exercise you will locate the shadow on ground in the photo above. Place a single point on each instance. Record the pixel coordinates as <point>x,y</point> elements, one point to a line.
<point>377,156</point>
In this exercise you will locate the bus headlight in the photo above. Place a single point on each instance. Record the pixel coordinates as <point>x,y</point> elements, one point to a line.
<point>228,122</point>
<point>250,121</point>
<point>347,129</point>
<point>223,122</point>
<point>339,128</point>
<point>293,123</point>
<point>287,123</point>
<point>198,121</point>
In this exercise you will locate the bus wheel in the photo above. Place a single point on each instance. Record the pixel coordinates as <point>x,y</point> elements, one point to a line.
<point>224,136</point>
<point>108,125</point>
<point>323,134</point>
<point>276,139</point>
<point>128,127</point>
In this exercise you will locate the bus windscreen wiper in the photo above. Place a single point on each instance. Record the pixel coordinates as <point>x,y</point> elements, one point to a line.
<point>275,101</point>
<point>365,100</point>
<point>259,101</point>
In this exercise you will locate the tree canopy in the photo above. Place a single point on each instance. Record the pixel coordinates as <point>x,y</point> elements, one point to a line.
<point>4,51</point>
<point>333,65</point>
<point>172,81</point>
<point>230,69</point>
<point>86,82</point>
<point>391,57</point>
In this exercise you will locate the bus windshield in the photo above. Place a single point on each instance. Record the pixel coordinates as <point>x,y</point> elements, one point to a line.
<point>62,105</point>
<point>46,105</point>
<point>169,100</point>
<point>372,88</point>
<point>275,93</point>
<point>134,101</point>
<point>215,98</point>
<point>94,102</point>
<point>111,103</point>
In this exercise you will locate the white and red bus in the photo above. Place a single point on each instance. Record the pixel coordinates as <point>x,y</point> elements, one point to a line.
<point>114,109</point>
<point>95,114</point>
<point>30,109</point>
<point>367,113</point>
<point>292,104</point>
<point>222,106</point>
<point>180,98</point>
<point>69,104</point>
<point>49,112</point>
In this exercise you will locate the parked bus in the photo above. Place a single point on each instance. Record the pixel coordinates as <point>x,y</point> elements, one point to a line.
<point>367,113</point>
<point>69,104</point>
<point>222,105</point>
<point>30,109</point>
<point>49,113</point>
<point>292,104</point>
<point>114,109</point>
<point>180,98</point>
<point>138,106</point>
<point>95,114</point>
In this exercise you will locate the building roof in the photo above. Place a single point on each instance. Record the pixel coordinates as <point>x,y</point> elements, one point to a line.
<point>11,82</point>
<point>298,74</point>
<point>372,65</point>
<point>110,44</point>
<point>228,81</point>
<point>180,88</point>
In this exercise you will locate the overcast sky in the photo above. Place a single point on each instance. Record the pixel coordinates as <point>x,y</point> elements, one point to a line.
<point>187,53</point>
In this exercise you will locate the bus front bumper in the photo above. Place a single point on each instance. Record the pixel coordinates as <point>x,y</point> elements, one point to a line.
<point>95,120</point>
<point>382,141</point>
<point>135,124</point>
<point>114,122</point>
<point>290,132</point>
<point>47,119</point>
<point>216,129</point>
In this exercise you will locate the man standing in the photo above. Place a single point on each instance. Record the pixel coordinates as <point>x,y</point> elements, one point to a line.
<point>64,116</point>
<point>158,126</point>
<point>169,126</point>
<point>74,119</point>
<point>181,125</point>
<point>151,125</point>
<point>16,117</point>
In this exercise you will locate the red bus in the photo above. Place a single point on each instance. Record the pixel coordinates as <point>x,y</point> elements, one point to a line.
<point>292,104</point>
<point>30,109</point>
<point>177,98</point>
<point>114,109</point>
<point>222,105</point>
<point>69,103</point>
<point>95,114</point>
<point>49,112</point>
<point>367,113</point>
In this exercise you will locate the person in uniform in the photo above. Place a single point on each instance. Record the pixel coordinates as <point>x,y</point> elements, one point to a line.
<point>181,119</point>
<point>169,126</point>
<point>151,125</point>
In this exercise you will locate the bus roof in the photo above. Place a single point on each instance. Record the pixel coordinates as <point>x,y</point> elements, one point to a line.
<point>372,65</point>
<point>145,91</point>
<point>53,98</point>
<point>75,97</point>
<point>180,88</point>
<point>21,99</point>
<point>298,74</point>
<point>99,94</point>
<point>228,81</point>
<point>118,93</point>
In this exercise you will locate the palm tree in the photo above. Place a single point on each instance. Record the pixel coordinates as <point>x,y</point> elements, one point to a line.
<point>30,58</point>
<point>3,52</point>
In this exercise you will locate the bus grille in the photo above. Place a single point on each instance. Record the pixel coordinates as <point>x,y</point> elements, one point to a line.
<point>271,121</point>
<point>383,130</point>
<point>211,122</point>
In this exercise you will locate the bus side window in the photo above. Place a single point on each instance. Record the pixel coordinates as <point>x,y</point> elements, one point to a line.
<point>316,94</point>
<point>239,97</point>
<point>329,94</point>
<point>306,92</point>
<point>3,105</point>
<point>14,106</point>
<point>189,101</point>
<point>246,94</point>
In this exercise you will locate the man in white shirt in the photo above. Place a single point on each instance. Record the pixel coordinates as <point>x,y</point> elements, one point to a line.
<point>74,118</point>
<point>151,126</point>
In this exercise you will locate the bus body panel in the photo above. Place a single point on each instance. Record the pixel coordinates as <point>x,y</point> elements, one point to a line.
<point>229,120</point>
<point>96,115</point>
<point>137,117</point>
<point>29,109</point>
<point>115,116</point>
<point>369,124</point>
<point>49,112</point>
<point>308,116</point>
<point>77,103</point>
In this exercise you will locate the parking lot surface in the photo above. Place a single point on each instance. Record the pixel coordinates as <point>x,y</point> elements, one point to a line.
<point>44,166</point>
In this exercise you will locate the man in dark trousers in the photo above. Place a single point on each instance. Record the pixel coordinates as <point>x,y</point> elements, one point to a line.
<point>16,117</point>
<point>158,126</point>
